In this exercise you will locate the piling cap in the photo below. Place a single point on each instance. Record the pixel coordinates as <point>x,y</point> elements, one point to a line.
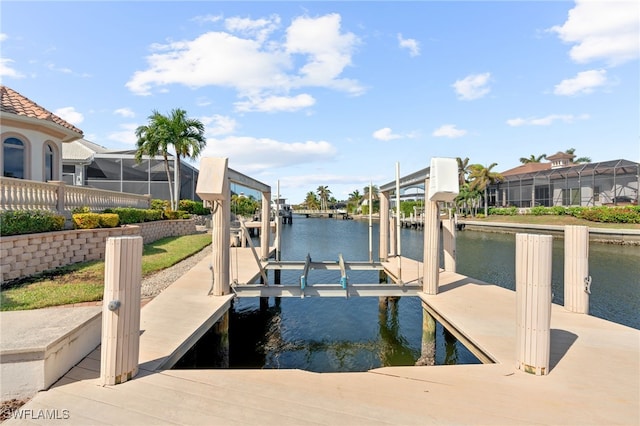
<point>212,179</point>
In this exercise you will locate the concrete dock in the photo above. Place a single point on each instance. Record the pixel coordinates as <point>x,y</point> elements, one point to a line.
<point>594,376</point>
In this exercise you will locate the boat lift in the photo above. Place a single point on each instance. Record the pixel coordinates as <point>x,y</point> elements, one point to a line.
<point>342,288</point>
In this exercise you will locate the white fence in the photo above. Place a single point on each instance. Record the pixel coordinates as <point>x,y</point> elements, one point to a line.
<point>20,194</point>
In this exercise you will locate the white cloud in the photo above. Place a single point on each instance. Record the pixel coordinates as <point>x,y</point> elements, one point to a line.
<point>315,52</point>
<point>70,114</point>
<point>583,82</point>
<point>473,86</point>
<point>7,71</point>
<point>126,134</point>
<point>327,49</point>
<point>125,112</point>
<point>276,103</point>
<point>449,131</point>
<point>250,154</point>
<point>546,121</point>
<point>411,44</point>
<point>207,18</point>
<point>385,134</point>
<point>3,36</point>
<point>217,125</point>
<point>602,30</point>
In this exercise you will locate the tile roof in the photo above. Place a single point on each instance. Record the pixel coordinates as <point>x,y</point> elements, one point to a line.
<point>13,102</point>
<point>527,168</point>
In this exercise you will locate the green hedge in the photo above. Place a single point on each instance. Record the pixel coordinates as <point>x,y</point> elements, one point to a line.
<point>625,214</point>
<point>95,220</point>
<point>193,207</point>
<point>29,222</point>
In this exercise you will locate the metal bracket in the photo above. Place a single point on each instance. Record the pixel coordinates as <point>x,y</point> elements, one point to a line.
<point>213,278</point>
<point>305,274</point>
<point>587,284</point>
<point>343,274</point>
<point>114,305</point>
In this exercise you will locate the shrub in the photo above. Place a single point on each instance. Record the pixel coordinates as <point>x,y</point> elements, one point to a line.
<point>193,207</point>
<point>109,220</point>
<point>611,214</point>
<point>176,214</point>
<point>558,210</point>
<point>83,209</point>
<point>129,215</point>
<point>86,220</point>
<point>29,222</point>
<point>503,211</point>
<point>539,211</point>
<point>151,215</point>
<point>160,204</point>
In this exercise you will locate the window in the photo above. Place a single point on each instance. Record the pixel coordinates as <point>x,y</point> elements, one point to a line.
<point>13,151</point>
<point>48,163</point>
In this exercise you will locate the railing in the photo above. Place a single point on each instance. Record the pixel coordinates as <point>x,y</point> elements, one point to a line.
<point>20,194</point>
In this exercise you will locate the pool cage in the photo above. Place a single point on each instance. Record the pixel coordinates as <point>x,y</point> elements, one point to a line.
<point>612,182</point>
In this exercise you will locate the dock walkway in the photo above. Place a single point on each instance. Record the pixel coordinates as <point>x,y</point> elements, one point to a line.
<point>594,376</point>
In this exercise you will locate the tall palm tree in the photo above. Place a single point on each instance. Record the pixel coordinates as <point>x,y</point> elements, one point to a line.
<point>532,159</point>
<point>463,170</point>
<point>481,178</point>
<point>374,192</point>
<point>184,134</point>
<point>323,192</point>
<point>153,140</point>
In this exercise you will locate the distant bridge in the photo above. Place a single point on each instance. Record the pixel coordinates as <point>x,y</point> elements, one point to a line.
<point>323,213</point>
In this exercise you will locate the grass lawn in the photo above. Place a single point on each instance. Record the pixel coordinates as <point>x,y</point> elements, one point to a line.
<point>84,282</point>
<point>552,220</point>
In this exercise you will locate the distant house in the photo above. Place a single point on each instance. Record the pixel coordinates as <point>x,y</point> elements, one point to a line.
<point>85,163</point>
<point>561,182</point>
<point>32,139</point>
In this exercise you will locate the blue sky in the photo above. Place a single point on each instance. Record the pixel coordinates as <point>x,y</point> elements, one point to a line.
<point>335,93</point>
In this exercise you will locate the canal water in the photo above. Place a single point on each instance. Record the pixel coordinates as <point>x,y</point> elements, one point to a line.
<point>340,334</point>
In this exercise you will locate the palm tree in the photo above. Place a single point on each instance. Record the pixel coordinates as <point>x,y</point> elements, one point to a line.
<point>311,200</point>
<point>481,178</point>
<point>463,170</point>
<point>323,192</point>
<point>374,192</point>
<point>533,159</point>
<point>185,134</point>
<point>354,198</point>
<point>579,159</point>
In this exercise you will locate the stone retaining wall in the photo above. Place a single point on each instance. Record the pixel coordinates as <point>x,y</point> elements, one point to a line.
<point>30,254</point>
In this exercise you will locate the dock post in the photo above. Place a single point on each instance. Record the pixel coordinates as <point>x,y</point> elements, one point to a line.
<point>428,346</point>
<point>577,282</point>
<point>533,302</point>
<point>384,227</point>
<point>449,243</point>
<point>121,310</point>
<point>431,248</point>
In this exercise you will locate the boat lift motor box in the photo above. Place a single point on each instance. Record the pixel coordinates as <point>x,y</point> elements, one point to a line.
<point>443,179</point>
<point>212,179</point>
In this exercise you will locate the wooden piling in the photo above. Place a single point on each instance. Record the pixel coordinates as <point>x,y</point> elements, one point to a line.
<point>533,302</point>
<point>577,281</point>
<point>221,331</point>
<point>121,310</point>
<point>428,345</point>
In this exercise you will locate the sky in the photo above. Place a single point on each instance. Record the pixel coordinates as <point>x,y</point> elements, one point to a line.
<point>336,93</point>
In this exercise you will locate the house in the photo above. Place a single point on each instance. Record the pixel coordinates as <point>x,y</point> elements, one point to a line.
<point>32,138</point>
<point>560,182</point>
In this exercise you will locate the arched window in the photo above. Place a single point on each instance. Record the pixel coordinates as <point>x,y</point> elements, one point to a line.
<point>14,156</point>
<point>48,163</point>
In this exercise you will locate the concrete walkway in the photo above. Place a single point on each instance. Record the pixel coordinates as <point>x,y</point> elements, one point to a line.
<point>594,377</point>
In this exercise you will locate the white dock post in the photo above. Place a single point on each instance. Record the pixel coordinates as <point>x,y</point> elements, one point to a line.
<point>213,185</point>
<point>431,248</point>
<point>121,310</point>
<point>393,243</point>
<point>577,281</point>
<point>449,243</point>
<point>384,227</point>
<point>533,302</point>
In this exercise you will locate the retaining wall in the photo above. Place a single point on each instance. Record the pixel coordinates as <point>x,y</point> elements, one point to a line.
<point>30,254</point>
